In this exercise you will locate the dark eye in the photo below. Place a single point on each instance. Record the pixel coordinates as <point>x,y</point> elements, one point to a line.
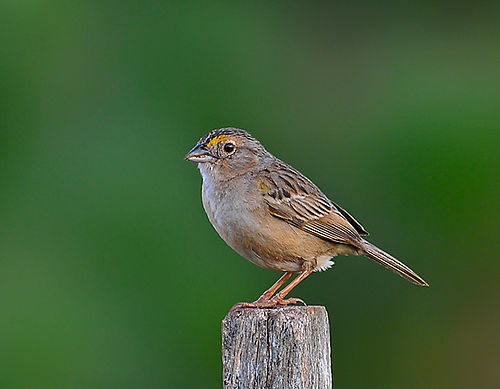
<point>229,147</point>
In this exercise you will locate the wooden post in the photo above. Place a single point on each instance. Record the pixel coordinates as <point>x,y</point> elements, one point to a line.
<point>278,348</point>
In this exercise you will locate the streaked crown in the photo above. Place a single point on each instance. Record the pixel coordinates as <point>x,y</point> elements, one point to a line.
<point>221,134</point>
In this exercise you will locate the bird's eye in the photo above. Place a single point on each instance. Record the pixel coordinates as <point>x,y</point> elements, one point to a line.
<point>229,147</point>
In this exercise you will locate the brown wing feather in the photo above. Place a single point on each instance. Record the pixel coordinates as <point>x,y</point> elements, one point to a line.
<point>293,198</point>
<point>357,225</point>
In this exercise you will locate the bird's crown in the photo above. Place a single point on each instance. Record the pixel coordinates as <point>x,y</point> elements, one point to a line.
<point>214,137</point>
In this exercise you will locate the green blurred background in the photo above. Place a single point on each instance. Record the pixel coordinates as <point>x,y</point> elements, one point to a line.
<point>111,275</point>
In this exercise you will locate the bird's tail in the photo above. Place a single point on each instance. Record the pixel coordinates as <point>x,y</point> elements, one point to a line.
<point>373,252</point>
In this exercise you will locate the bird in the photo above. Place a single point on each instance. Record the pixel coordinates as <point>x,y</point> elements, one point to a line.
<point>274,216</point>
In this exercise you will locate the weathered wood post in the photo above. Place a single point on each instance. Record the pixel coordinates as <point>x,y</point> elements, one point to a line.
<point>278,348</point>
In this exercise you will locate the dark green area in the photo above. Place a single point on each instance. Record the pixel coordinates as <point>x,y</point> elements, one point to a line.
<point>110,274</point>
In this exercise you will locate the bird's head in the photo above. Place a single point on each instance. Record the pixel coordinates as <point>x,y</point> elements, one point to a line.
<point>229,151</point>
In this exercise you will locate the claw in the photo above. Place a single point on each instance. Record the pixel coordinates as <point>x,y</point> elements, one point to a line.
<point>280,302</point>
<point>275,302</point>
<point>242,305</point>
<point>260,303</point>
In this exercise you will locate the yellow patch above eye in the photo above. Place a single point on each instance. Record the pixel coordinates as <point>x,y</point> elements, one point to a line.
<point>216,140</point>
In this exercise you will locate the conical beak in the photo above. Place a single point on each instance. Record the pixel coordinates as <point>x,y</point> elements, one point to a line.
<point>198,154</point>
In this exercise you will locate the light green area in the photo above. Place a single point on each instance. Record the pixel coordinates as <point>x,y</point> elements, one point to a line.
<point>110,273</point>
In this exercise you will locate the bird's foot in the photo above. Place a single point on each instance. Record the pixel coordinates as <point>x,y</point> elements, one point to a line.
<point>275,302</point>
<point>260,303</point>
<point>278,301</point>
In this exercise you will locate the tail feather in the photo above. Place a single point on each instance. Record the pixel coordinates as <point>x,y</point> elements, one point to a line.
<point>373,252</point>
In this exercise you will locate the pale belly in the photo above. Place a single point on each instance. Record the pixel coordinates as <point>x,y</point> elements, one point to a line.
<point>265,240</point>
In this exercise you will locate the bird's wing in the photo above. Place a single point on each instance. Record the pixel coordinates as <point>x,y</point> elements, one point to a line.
<point>293,198</point>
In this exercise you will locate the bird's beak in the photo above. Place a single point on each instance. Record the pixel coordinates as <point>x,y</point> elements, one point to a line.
<point>199,154</point>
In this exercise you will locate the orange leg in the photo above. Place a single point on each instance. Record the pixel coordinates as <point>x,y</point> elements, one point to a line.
<point>279,299</point>
<point>272,290</point>
<point>263,300</point>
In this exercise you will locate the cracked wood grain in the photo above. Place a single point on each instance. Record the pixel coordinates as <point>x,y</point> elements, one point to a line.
<point>285,348</point>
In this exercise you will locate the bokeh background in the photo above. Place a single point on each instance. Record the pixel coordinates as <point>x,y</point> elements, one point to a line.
<point>111,275</point>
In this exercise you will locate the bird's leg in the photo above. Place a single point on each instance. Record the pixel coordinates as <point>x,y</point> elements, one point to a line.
<point>272,290</point>
<point>279,299</point>
<point>263,301</point>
